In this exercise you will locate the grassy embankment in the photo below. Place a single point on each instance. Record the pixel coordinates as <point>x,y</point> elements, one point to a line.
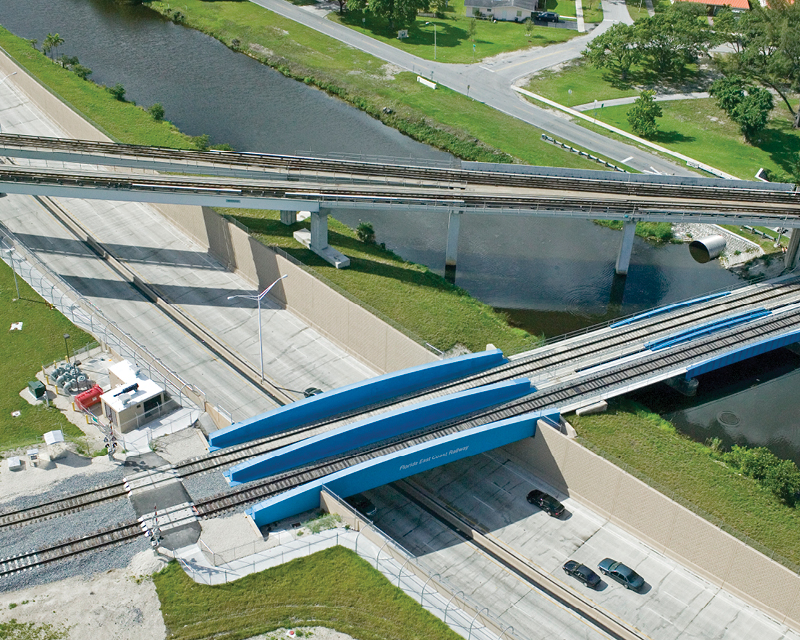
<point>673,463</point>
<point>696,128</point>
<point>410,294</point>
<point>453,42</point>
<point>22,354</point>
<point>333,588</point>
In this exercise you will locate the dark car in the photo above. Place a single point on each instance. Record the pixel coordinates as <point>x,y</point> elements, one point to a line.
<point>546,503</point>
<point>312,391</point>
<point>582,573</point>
<point>548,16</point>
<point>361,503</point>
<point>623,574</point>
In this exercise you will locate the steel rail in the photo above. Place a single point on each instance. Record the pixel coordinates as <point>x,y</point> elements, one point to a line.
<point>371,170</point>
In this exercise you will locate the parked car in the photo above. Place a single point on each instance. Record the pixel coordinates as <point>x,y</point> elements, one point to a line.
<point>623,574</point>
<point>312,391</point>
<point>548,16</point>
<point>546,503</point>
<point>361,503</point>
<point>582,573</point>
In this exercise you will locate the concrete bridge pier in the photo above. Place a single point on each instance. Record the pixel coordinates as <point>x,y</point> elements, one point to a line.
<point>625,249</point>
<point>451,253</point>
<point>790,259</point>
<point>317,239</point>
<point>288,217</point>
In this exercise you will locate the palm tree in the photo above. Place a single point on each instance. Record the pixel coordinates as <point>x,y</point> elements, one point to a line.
<point>51,44</point>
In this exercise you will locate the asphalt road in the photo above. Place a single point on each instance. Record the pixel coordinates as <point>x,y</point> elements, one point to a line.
<point>490,81</point>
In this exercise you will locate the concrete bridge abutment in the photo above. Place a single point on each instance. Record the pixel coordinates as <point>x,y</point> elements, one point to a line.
<point>790,259</point>
<point>317,239</point>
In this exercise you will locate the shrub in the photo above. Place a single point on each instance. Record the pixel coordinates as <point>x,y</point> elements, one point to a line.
<point>157,111</point>
<point>202,143</point>
<point>781,477</point>
<point>366,232</point>
<point>118,91</point>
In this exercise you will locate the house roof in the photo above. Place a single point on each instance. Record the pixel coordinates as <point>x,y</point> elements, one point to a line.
<point>492,4</point>
<point>733,4</point>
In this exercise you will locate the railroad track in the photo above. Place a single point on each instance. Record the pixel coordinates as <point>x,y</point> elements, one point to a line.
<point>537,364</point>
<point>555,396</point>
<point>339,168</point>
<point>67,548</point>
<point>661,203</point>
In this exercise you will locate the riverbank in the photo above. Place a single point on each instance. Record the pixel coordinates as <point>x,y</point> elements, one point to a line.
<point>441,118</point>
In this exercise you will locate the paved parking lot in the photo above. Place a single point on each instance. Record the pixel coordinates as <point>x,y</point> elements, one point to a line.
<point>490,490</point>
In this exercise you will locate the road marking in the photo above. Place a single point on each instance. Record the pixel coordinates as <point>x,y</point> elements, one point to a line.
<point>487,68</point>
<point>626,159</point>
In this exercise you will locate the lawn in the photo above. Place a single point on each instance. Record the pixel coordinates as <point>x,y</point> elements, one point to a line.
<point>22,353</point>
<point>638,8</point>
<point>121,121</point>
<point>700,130</point>
<point>453,42</point>
<point>410,294</point>
<point>657,452</point>
<point>333,588</point>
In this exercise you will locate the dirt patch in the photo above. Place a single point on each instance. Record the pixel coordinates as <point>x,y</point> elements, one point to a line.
<point>261,51</point>
<point>116,605</point>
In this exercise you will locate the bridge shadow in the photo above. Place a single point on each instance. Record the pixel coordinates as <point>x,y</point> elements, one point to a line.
<point>134,254</point>
<point>177,294</point>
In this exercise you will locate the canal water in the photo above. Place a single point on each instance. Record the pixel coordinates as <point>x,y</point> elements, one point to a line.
<point>550,276</point>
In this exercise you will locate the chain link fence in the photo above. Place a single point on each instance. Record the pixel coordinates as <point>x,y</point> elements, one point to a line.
<point>85,315</point>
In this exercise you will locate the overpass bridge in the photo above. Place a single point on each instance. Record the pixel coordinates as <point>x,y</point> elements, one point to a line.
<point>323,185</point>
<point>388,436</point>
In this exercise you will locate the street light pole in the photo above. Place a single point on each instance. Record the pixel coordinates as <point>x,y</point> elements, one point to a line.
<point>258,298</point>
<point>10,253</point>
<point>66,346</point>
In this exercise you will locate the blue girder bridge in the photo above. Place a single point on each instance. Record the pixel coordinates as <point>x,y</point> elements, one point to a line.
<point>394,426</point>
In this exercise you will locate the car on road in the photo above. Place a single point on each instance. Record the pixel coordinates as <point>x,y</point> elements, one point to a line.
<point>582,573</point>
<point>548,16</point>
<point>621,573</point>
<point>546,503</point>
<point>312,391</point>
<point>361,503</point>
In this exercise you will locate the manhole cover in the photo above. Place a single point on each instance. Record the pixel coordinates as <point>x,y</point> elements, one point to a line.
<point>728,419</point>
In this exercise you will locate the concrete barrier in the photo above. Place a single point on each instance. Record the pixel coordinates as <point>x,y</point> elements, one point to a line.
<point>377,428</point>
<point>354,396</point>
<point>663,524</point>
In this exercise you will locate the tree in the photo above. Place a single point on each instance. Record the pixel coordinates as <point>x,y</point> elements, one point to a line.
<point>473,25</point>
<point>767,49</point>
<point>399,13</point>
<point>51,44</point>
<point>156,111</point>
<point>617,49</point>
<point>747,105</point>
<point>82,72</point>
<point>33,42</point>
<point>674,38</point>
<point>118,91</point>
<point>642,116</point>
<point>366,232</point>
<point>203,142</point>
<point>342,6</point>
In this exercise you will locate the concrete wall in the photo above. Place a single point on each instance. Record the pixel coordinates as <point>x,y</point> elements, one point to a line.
<point>663,524</point>
<point>354,329</point>
<point>342,321</point>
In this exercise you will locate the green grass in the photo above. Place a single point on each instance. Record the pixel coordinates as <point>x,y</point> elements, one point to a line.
<point>767,245</point>
<point>656,232</point>
<point>413,296</point>
<point>592,11</point>
<point>22,354</point>
<point>121,121</point>
<point>700,130</point>
<point>333,588</point>
<point>658,452</point>
<point>453,43</point>
<point>638,8</point>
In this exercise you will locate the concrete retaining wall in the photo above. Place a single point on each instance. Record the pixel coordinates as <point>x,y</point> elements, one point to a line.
<point>663,524</point>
